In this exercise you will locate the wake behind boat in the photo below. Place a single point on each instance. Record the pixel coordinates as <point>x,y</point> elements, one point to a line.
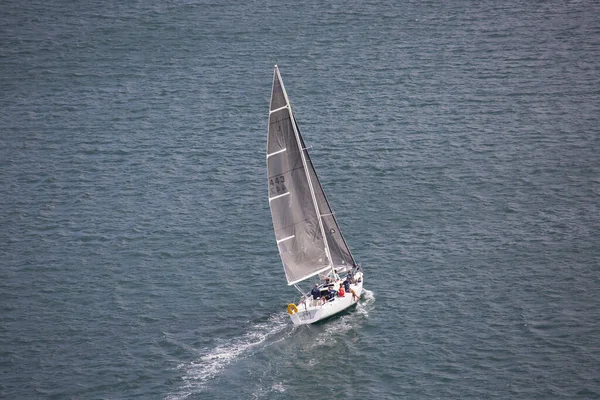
<point>308,237</point>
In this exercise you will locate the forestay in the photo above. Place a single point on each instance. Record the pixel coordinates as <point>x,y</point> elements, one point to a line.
<point>307,233</point>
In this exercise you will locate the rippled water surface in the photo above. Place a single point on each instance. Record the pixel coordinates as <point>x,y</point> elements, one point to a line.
<point>458,143</point>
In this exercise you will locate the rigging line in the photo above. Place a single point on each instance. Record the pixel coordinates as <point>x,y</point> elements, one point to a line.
<point>296,223</point>
<point>285,172</point>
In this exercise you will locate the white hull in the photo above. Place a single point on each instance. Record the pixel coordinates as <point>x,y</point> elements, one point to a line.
<point>311,311</point>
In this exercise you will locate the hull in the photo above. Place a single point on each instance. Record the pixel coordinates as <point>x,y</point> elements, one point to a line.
<point>311,311</point>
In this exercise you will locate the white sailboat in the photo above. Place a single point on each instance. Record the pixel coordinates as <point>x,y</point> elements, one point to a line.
<point>308,237</point>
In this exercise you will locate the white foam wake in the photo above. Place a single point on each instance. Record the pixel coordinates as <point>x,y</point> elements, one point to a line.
<point>364,305</point>
<point>199,372</point>
<point>339,327</point>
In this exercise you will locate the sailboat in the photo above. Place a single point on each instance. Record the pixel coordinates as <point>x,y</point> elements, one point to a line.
<point>308,236</point>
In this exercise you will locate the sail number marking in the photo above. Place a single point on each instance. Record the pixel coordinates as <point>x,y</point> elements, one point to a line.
<point>277,186</point>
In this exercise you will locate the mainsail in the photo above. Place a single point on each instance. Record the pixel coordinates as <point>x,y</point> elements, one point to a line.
<point>307,233</point>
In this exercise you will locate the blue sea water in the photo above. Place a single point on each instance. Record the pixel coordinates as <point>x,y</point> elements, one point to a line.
<point>457,141</point>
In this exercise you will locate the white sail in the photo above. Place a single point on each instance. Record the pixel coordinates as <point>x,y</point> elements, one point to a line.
<point>307,234</point>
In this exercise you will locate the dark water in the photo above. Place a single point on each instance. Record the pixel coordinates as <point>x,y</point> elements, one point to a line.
<point>457,141</point>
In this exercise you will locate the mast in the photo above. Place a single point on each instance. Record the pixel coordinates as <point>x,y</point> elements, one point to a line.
<point>306,170</point>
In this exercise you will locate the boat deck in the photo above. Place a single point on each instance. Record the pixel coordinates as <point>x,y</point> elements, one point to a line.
<point>310,311</point>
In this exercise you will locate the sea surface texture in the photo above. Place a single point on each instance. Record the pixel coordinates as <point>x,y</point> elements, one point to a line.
<point>457,141</point>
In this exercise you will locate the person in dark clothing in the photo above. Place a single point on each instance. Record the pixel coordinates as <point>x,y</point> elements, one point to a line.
<point>316,293</point>
<point>347,283</point>
<point>330,294</point>
<point>350,277</point>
